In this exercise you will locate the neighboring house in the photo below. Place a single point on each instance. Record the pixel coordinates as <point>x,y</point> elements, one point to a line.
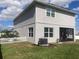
<point>45,20</point>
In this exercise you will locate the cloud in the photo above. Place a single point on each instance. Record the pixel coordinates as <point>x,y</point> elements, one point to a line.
<point>64,3</point>
<point>77,12</point>
<point>10,12</point>
<point>10,3</point>
<point>2,27</point>
<point>76,9</point>
<point>13,8</point>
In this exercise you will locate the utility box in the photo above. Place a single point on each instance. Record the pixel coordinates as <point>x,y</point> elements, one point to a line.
<point>43,42</point>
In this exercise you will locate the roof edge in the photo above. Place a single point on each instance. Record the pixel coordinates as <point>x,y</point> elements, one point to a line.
<point>56,6</point>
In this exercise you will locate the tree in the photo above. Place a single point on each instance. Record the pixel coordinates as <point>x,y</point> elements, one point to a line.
<point>9,33</point>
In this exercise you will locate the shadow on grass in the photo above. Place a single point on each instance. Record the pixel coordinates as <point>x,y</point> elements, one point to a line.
<point>0,53</point>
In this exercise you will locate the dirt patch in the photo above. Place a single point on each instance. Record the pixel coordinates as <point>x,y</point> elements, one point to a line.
<point>21,45</point>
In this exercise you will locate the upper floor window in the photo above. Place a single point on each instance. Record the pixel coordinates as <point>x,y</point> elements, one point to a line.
<point>50,12</point>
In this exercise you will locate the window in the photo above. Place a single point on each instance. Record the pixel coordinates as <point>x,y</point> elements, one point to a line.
<point>48,32</point>
<point>45,32</point>
<point>31,32</point>
<point>50,12</point>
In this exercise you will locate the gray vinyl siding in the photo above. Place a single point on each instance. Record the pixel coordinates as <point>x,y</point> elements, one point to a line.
<point>24,21</point>
<point>35,17</point>
<point>26,15</point>
<point>61,19</point>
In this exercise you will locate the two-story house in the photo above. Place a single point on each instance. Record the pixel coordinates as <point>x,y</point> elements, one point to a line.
<point>45,20</point>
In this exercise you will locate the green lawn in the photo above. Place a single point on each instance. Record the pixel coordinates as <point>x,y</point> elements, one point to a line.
<point>28,51</point>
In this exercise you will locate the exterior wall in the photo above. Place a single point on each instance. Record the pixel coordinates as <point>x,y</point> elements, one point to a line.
<point>40,32</point>
<point>23,22</point>
<point>36,18</point>
<point>61,19</point>
<point>24,32</point>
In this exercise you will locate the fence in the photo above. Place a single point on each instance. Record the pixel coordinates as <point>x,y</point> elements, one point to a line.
<point>77,37</point>
<point>12,40</point>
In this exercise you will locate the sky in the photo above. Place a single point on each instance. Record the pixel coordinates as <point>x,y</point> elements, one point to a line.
<point>10,9</point>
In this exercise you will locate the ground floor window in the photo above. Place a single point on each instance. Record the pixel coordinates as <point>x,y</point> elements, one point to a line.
<point>31,32</point>
<point>48,32</point>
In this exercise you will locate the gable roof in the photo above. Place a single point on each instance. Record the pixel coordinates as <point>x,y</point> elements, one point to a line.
<point>55,6</point>
<point>49,5</point>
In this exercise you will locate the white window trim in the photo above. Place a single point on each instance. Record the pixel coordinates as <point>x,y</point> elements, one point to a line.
<point>30,32</point>
<point>48,32</point>
<point>51,11</point>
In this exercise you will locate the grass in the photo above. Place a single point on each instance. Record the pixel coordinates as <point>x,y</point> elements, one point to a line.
<point>29,51</point>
